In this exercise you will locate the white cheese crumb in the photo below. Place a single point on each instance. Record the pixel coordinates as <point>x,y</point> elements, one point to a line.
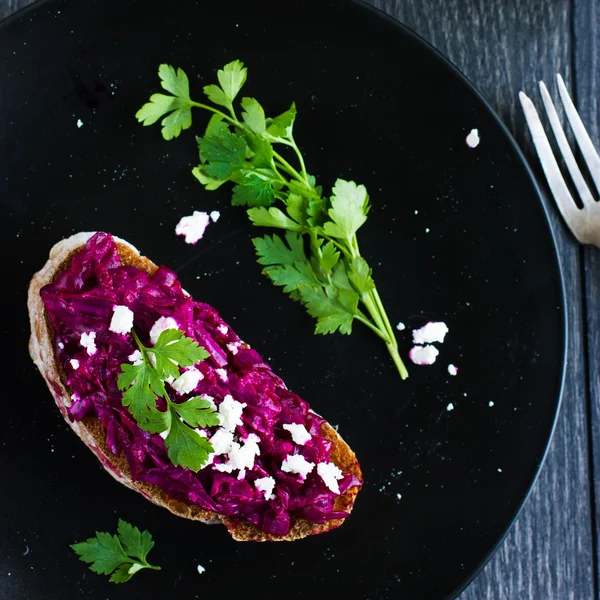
<point>399,496</point>
<point>299,434</point>
<point>210,400</point>
<point>473,138</point>
<point>201,569</point>
<point>230,411</point>
<point>423,355</point>
<point>162,324</point>
<point>499,470</point>
<point>427,229</point>
<point>193,227</point>
<point>222,373</point>
<point>330,474</point>
<point>452,370</point>
<point>222,441</point>
<point>223,329</point>
<point>74,363</point>
<point>265,485</point>
<point>164,434</point>
<point>88,341</point>
<point>450,407</point>
<point>430,333</point>
<point>241,474</point>
<point>214,215</point>
<point>187,381</point>
<point>136,358</point>
<point>233,347</point>
<point>490,403</point>
<point>61,345</point>
<point>241,456</point>
<point>74,397</point>
<point>122,319</point>
<point>79,123</point>
<point>401,326</point>
<point>297,464</point>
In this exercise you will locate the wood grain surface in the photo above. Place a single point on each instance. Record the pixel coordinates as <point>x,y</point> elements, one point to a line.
<point>504,46</point>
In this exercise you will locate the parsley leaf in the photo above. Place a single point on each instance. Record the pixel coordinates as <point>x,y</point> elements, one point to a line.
<point>319,262</point>
<point>186,447</point>
<point>144,384</point>
<point>123,555</point>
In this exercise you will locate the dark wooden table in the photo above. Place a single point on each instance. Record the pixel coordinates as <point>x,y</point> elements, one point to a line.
<point>504,46</point>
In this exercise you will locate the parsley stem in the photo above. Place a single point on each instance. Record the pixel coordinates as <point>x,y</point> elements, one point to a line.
<point>288,168</point>
<point>365,320</point>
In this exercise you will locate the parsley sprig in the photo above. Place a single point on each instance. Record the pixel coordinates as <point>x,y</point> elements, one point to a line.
<point>318,261</point>
<point>120,556</point>
<point>144,385</point>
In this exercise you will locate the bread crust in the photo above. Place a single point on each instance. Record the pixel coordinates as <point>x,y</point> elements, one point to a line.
<point>93,434</point>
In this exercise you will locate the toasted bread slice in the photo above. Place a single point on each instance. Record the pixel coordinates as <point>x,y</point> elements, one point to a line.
<point>93,434</point>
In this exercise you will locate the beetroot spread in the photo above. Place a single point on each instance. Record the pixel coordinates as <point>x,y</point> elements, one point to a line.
<point>81,301</point>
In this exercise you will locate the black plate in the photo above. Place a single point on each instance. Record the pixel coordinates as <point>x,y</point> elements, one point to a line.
<point>454,234</point>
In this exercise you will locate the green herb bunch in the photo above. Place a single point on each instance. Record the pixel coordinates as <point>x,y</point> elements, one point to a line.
<point>317,261</point>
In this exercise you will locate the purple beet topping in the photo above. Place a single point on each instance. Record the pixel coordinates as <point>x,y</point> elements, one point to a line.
<point>81,300</point>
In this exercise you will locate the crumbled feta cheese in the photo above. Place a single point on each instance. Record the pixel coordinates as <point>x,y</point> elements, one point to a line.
<point>74,397</point>
<point>222,441</point>
<point>230,411</point>
<point>473,138</point>
<point>223,329</point>
<point>74,363</point>
<point>164,434</point>
<point>161,325</point>
<point>241,474</point>
<point>296,463</point>
<point>241,456</point>
<point>214,215</point>
<point>210,400</point>
<point>265,485</point>
<point>222,373</point>
<point>79,123</point>
<point>399,496</point>
<point>201,569</point>
<point>122,319</point>
<point>490,404</point>
<point>193,227</point>
<point>299,434</point>
<point>452,370</point>
<point>61,345</point>
<point>233,347</point>
<point>330,474</point>
<point>136,358</point>
<point>423,355</point>
<point>187,381</point>
<point>401,326</point>
<point>88,341</point>
<point>430,333</point>
<point>450,407</point>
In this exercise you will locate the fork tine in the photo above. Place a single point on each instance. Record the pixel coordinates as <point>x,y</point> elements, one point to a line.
<point>581,135</point>
<point>557,184</point>
<point>565,149</point>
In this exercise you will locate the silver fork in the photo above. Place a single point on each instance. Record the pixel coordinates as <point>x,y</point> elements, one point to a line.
<point>583,222</point>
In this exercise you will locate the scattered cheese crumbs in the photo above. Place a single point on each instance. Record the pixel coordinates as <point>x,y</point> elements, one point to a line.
<point>193,227</point>
<point>222,441</point>
<point>230,411</point>
<point>450,407</point>
<point>201,569</point>
<point>136,358</point>
<point>297,464</point>
<point>74,363</point>
<point>222,373</point>
<point>499,470</point>
<point>164,434</point>
<point>215,215</point>
<point>423,355</point>
<point>427,230</point>
<point>430,333</point>
<point>330,474</point>
<point>265,485</point>
<point>490,403</point>
<point>87,340</point>
<point>233,347</point>
<point>299,434</point>
<point>79,123</point>
<point>401,326</point>
<point>187,381</point>
<point>399,496</point>
<point>74,397</point>
<point>223,329</point>
<point>473,138</point>
<point>210,400</point>
<point>61,345</point>
<point>241,474</point>
<point>161,325</point>
<point>452,370</point>
<point>122,319</point>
